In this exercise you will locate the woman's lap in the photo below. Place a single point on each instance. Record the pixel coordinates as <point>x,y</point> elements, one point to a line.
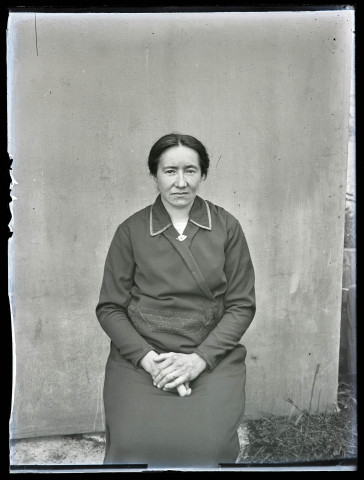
<point>147,425</point>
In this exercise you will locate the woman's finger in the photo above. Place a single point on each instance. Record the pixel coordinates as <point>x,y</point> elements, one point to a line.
<point>165,376</point>
<point>163,356</point>
<point>163,363</point>
<point>182,390</point>
<point>175,383</point>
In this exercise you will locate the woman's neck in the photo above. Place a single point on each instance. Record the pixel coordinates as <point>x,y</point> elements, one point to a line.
<point>178,214</point>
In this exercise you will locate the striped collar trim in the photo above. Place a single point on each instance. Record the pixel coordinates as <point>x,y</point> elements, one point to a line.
<point>159,219</point>
<point>152,233</point>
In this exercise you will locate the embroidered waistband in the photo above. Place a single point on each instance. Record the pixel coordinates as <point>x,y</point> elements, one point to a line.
<point>167,321</point>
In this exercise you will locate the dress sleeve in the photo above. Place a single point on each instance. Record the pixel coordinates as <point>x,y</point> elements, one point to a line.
<point>111,309</point>
<point>239,300</point>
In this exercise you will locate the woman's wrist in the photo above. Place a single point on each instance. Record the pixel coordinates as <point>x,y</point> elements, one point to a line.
<point>147,362</point>
<point>199,362</point>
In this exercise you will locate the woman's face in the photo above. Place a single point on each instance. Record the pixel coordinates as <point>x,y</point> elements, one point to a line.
<point>178,176</point>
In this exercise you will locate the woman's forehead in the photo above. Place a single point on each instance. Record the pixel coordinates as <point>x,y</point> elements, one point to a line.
<point>179,155</point>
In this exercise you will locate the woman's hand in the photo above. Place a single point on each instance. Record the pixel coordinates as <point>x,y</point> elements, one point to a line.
<point>176,369</point>
<point>149,364</point>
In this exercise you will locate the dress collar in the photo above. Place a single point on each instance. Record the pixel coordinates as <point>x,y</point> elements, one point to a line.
<point>160,220</point>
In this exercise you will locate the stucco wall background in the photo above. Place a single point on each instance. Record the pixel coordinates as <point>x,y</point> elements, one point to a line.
<point>88,94</point>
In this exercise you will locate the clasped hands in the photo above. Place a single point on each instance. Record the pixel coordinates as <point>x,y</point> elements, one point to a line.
<point>173,371</point>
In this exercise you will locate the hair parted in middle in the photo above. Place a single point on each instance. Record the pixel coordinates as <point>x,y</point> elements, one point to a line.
<point>174,140</point>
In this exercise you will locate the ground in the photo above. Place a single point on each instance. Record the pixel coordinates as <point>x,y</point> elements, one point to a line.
<point>66,449</point>
<point>330,437</point>
<point>71,449</point>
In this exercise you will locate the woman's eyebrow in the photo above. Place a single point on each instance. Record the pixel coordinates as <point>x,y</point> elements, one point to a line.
<point>167,167</point>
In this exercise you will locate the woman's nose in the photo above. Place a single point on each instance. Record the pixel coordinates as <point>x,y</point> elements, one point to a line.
<point>180,180</point>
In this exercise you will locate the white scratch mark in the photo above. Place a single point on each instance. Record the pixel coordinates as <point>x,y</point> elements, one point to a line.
<point>295,280</point>
<point>146,57</point>
<point>99,408</point>
<point>36,33</point>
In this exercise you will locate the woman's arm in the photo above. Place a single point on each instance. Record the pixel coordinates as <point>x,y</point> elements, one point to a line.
<point>111,309</point>
<point>239,299</point>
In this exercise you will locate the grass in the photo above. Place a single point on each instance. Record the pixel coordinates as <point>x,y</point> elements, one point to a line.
<point>329,437</point>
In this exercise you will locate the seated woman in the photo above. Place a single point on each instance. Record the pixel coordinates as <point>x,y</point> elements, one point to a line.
<point>176,297</point>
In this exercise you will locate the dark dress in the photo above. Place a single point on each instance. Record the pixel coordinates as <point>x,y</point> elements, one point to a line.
<point>162,294</point>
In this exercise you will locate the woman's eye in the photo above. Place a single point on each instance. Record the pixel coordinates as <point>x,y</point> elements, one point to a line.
<point>190,172</point>
<point>169,172</point>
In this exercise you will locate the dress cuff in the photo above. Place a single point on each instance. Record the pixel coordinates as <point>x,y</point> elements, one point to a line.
<point>137,360</point>
<point>209,364</point>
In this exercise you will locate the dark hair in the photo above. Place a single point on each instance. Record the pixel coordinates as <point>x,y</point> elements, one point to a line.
<point>173,140</point>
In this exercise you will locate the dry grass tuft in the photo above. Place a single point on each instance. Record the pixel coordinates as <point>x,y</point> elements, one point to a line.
<point>305,438</point>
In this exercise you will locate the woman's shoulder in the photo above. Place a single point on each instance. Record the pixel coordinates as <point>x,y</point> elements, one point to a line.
<point>222,214</point>
<point>135,220</point>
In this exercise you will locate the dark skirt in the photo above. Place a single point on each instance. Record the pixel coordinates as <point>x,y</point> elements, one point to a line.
<point>149,426</point>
